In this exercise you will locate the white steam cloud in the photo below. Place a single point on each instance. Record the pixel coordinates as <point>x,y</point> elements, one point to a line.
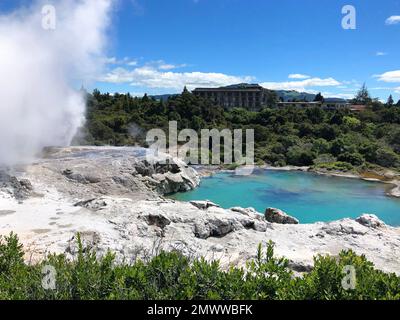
<point>39,67</point>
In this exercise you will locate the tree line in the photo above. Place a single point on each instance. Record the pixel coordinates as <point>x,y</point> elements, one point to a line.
<point>330,139</point>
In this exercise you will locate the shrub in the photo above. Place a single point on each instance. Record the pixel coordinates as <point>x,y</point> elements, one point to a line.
<point>300,156</point>
<point>387,158</point>
<point>174,276</point>
<point>355,159</point>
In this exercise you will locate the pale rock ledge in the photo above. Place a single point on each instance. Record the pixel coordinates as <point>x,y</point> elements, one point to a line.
<point>118,206</point>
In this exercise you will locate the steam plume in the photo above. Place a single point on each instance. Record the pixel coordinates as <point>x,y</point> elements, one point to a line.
<point>39,69</point>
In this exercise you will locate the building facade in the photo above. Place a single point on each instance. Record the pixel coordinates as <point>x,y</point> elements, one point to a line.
<point>249,96</point>
<point>255,97</point>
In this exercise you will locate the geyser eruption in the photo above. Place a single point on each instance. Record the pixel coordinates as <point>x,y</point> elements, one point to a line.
<point>45,55</point>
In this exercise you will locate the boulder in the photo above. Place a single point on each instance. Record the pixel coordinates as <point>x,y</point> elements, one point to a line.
<point>201,230</point>
<point>157,219</point>
<point>167,176</point>
<point>215,227</point>
<point>278,216</point>
<point>86,178</point>
<point>144,168</point>
<point>20,189</point>
<point>370,220</point>
<point>220,227</point>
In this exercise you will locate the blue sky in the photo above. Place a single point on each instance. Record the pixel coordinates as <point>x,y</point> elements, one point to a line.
<point>158,46</point>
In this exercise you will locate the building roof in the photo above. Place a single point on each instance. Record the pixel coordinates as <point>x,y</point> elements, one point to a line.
<point>358,107</point>
<point>243,86</point>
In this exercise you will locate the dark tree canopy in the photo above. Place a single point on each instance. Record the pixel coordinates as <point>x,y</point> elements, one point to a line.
<point>363,96</point>
<point>331,139</point>
<point>319,97</point>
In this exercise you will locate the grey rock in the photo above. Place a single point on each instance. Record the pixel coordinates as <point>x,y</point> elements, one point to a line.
<point>220,227</point>
<point>370,220</point>
<point>92,204</point>
<point>81,178</point>
<point>344,227</point>
<point>21,189</point>
<point>278,216</point>
<point>201,230</point>
<point>158,220</point>
<point>300,266</point>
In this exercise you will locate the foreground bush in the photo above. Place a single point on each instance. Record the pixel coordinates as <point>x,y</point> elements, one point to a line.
<point>173,276</point>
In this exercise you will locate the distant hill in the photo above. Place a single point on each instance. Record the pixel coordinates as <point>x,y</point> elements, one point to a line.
<point>286,95</point>
<point>335,100</point>
<point>290,95</point>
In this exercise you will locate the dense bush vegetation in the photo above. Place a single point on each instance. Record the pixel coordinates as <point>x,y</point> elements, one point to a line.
<point>283,136</point>
<point>173,276</point>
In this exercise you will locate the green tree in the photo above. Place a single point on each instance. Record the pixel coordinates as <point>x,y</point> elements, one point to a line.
<point>362,96</point>
<point>355,159</point>
<point>319,97</point>
<point>351,122</point>
<point>390,101</point>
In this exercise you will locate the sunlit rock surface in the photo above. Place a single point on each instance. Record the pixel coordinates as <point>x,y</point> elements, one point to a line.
<point>114,198</point>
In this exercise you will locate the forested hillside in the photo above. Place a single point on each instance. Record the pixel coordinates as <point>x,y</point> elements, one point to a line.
<point>338,139</point>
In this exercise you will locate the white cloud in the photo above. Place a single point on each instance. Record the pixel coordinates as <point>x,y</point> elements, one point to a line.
<point>301,85</point>
<point>162,65</point>
<point>298,76</point>
<point>390,76</point>
<point>167,67</point>
<point>125,61</point>
<point>381,53</point>
<point>153,77</point>
<point>393,20</point>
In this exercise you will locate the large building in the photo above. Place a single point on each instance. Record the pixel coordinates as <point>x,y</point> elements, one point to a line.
<point>249,96</point>
<point>255,97</point>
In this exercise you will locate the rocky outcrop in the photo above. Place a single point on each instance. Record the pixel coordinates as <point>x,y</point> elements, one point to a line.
<point>20,189</point>
<point>168,176</point>
<point>81,178</point>
<point>87,172</point>
<point>157,219</point>
<point>278,216</point>
<point>123,211</point>
<point>370,220</point>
